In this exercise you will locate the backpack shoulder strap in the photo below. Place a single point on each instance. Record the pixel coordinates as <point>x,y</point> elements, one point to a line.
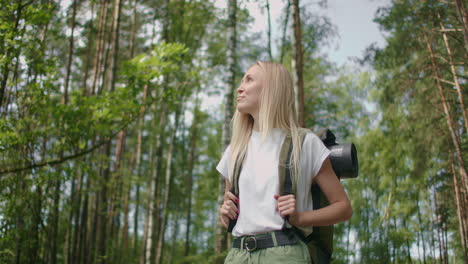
<point>235,187</point>
<point>235,175</point>
<point>287,179</point>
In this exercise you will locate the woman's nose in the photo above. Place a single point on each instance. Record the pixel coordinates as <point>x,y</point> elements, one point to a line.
<point>240,90</point>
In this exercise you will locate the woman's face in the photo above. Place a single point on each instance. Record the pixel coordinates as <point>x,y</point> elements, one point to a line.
<point>248,97</point>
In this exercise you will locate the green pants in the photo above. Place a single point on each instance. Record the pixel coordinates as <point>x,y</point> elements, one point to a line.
<point>297,253</point>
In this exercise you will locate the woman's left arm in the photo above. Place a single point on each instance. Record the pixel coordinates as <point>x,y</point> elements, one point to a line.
<point>339,209</point>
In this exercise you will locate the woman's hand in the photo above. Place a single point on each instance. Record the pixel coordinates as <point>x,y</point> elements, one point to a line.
<point>229,209</point>
<point>286,206</point>
<point>337,211</point>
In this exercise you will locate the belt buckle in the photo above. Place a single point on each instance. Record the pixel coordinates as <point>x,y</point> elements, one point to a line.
<point>246,243</point>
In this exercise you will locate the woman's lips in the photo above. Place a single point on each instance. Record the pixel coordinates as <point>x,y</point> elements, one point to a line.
<point>240,98</point>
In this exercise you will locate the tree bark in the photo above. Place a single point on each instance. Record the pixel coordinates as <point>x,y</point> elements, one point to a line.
<point>220,234</point>
<point>138,156</point>
<point>138,169</point>
<point>133,30</point>
<point>78,225</point>
<point>100,45</point>
<point>148,219</point>
<point>448,116</point>
<point>461,213</point>
<point>174,236</point>
<point>70,52</point>
<point>460,6</point>
<point>139,136</point>
<point>165,210</point>
<point>116,200</point>
<point>421,230</point>
<point>285,29</point>
<point>116,187</point>
<point>103,212</point>
<point>10,53</point>
<point>83,251</point>
<point>455,76</point>
<point>125,236</point>
<point>87,63</point>
<point>193,144</point>
<point>69,234</point>
<point>115,44</point>
<point>297,64</point>
<point>19,222</point>
<point>153,199</point>
<point>267,4</point>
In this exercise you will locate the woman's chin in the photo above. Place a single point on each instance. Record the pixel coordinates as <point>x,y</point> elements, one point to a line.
<point>242,110</point>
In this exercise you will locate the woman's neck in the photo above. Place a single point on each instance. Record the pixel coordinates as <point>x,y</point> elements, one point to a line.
<point>256,126</point>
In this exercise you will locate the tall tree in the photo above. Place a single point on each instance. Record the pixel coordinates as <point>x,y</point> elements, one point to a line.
<point>193,143</point>
<point>285,29</point>
<point>297,62</point>
<point>221,236</point>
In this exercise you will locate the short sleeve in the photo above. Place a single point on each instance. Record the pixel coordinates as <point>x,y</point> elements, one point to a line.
<point>223,165</point>
<point>314,152</point>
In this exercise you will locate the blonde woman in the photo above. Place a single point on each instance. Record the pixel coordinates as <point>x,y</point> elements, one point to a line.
<point>265,114</point>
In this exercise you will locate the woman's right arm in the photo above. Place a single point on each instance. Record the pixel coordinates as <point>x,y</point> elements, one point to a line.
<point>229,209</point>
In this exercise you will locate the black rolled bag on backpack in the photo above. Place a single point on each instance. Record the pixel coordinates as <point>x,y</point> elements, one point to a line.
<point>344,161</point>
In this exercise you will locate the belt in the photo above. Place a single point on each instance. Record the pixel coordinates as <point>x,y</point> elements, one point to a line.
<point>267,240</point>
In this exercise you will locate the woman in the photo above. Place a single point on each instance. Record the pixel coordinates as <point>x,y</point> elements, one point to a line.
<point>265,114</point>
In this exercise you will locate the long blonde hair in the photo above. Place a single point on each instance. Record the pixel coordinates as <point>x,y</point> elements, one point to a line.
<point>277,110</point>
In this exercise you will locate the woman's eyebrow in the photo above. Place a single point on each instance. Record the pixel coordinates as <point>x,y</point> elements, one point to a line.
<point>248,75</point>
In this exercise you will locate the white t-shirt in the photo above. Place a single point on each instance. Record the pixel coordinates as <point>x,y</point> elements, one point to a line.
<point>259,181</point>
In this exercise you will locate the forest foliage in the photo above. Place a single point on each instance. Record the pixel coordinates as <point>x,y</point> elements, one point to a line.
<point>111,127</point>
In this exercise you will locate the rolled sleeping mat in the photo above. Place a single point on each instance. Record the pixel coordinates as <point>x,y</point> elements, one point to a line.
<point>344,160</point>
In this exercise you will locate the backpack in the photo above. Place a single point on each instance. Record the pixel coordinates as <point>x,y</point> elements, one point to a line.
<point>320,241</point>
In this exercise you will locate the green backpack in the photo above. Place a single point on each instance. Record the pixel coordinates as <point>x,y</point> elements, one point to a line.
<point>320,241</point>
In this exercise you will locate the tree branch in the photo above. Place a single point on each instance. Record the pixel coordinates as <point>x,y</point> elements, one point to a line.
<point>63,159</point>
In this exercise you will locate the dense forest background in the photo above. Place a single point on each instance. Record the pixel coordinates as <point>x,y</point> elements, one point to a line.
<point>108,143</point>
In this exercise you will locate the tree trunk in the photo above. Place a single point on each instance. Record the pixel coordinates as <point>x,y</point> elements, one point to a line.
<point>165,210</point>
<point>19,221</point>
<point>125,240</point>
<point>156,199</point>
<point>100,45</point>
<point>148,218</point>
<point>193,144</point>
<point>149,232</point>
<point>116,201</point>
<point>10,53</point>
<point>297,65</point>
<point>138,168</point>
<point>115,44</point>
<point>455,76</point>
<point>175,230</point>
<point>69,234</point>
<point>84,252</point>
<point>461,213</point>
<point>54,221</point>
<point>70,53</point>
<point>220,234</point>
<point>133,30</point>
<point>139,135</point>
<point>78,225</point>
<point>285,28</point>
<point>460,6</point>
<point>448,116</point>
<point>269,30</point>
<point>88,54</point>
<point>116,189</point>
<point>421,230</point>
<point>103,212</point>
<point>438,229</point>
